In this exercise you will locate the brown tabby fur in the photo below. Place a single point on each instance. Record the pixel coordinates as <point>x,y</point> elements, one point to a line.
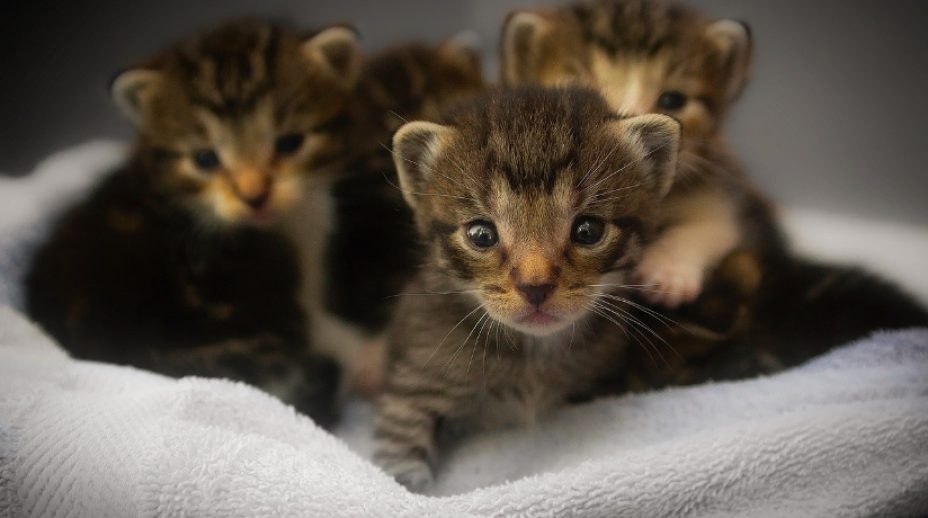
<point>406,82</point>
<point>464,346</point>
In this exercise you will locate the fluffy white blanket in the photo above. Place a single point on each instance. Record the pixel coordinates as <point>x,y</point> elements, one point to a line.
<point>845,435</point>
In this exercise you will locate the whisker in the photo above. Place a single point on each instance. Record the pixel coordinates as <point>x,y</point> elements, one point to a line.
<point>479,306</point>
<point>633,162</point>
<point>428,293</point>
<point>664,319</point>
<point>595,309</point>
<point>634,325</point>
<point>464,343</point>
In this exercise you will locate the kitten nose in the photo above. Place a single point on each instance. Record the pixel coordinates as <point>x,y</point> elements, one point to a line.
<point>257,201</point>
<point>253,187</point>
<point>535,294</point>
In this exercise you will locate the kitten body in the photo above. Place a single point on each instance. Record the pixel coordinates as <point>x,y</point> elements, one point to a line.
<point>179,261</point>
<point>370,243</point>
<point>528,248</point>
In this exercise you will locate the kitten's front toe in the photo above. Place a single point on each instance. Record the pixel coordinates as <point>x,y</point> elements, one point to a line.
<point>415,474</point>
<point>671,280</point>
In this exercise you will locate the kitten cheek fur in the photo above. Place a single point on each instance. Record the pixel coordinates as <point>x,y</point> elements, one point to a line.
<point>234,92</point>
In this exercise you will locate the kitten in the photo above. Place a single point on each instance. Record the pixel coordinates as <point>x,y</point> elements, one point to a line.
<point>533,206</point>
<point>176,262</point>
<point>755,313</point>
<point>365,269</point>
<point>651,57</point>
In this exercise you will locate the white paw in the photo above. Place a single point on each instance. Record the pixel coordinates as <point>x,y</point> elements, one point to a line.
<point>671,279</point>
<point>415,474</point>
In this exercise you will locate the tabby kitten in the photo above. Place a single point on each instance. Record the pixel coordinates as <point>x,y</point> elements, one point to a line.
<point>762,309</point>
<point>650,57</point>
<point>406,82</point>
<point>534,206</point>
<point>176,262</point>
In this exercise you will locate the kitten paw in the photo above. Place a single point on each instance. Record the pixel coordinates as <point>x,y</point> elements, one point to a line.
<point>368,377</point>
<point>414,474</point>
<point>671,279</point>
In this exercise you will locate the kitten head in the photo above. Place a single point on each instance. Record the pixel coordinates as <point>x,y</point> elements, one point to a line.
<point>644,56</point>
<point>416,81</point>
<point>240,117</point>
<point>533,199</point>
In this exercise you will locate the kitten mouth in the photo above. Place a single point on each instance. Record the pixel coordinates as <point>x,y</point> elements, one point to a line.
<point>261,217</point>
<point>539,318</point>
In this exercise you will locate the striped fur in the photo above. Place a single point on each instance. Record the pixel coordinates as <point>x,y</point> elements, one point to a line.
<point>468,345</point>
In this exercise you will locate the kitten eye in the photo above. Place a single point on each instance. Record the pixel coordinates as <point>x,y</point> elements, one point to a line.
<point>671,100</point>
<point>587,230</point>
<point>482,234</point>
<point>288,144</point>
<point>206,159</point>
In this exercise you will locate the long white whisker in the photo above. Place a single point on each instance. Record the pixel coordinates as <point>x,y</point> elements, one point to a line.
<point>479,306</point>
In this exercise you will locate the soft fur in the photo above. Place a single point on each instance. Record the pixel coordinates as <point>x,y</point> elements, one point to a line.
<point>472,339</point>
<point>179,268</point>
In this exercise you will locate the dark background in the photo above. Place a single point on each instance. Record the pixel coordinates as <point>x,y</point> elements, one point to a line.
<point>836,117</point>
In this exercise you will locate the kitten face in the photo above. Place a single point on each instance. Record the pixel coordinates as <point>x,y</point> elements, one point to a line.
<point>531,200</point>
<point>644,56</point>
<point>238,119</point>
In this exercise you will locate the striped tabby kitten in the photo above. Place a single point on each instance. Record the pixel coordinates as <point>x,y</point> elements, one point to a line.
<point>533,206</point>
<point>407,82</point>
<point>175,262</point>
<point>651,57</point>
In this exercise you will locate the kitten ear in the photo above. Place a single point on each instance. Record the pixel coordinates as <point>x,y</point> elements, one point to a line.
<point>735,47</point>
<point>658,138</point>
<point>336,51</point>
<point>416,146</point>
<point>463,49</point>
<point>523,46</point>
<point>133,91</point>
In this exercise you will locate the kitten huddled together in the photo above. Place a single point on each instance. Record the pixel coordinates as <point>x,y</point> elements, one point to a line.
<point>294,209</point>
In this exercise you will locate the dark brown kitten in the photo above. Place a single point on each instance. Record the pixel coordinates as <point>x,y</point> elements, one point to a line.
<point>174,263</point>
<point>372,250</point>
<point>534,206</point>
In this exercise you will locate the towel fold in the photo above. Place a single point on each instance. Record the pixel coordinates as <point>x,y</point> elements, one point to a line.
<point>845,435</point>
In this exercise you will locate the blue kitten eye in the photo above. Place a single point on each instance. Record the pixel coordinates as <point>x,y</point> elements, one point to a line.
<point>671,100</point>
<point>206,159</point>
<point>587,230</point>
<point>482,234</point>
<point>289,143</point>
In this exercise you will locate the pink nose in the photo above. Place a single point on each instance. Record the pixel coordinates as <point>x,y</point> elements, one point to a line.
<point>535,294</point>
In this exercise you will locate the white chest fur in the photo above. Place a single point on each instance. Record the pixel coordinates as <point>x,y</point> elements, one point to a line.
<point>309,227</point>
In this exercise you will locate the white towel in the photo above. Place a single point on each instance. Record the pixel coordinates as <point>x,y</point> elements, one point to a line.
<point>846,435</point>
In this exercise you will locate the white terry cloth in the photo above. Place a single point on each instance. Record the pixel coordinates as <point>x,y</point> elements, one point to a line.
<point>845,435</point>
<point>28,204</point>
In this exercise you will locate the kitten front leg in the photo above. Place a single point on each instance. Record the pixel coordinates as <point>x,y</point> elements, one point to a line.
<point>674,265</point>
<point>405,427</point>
